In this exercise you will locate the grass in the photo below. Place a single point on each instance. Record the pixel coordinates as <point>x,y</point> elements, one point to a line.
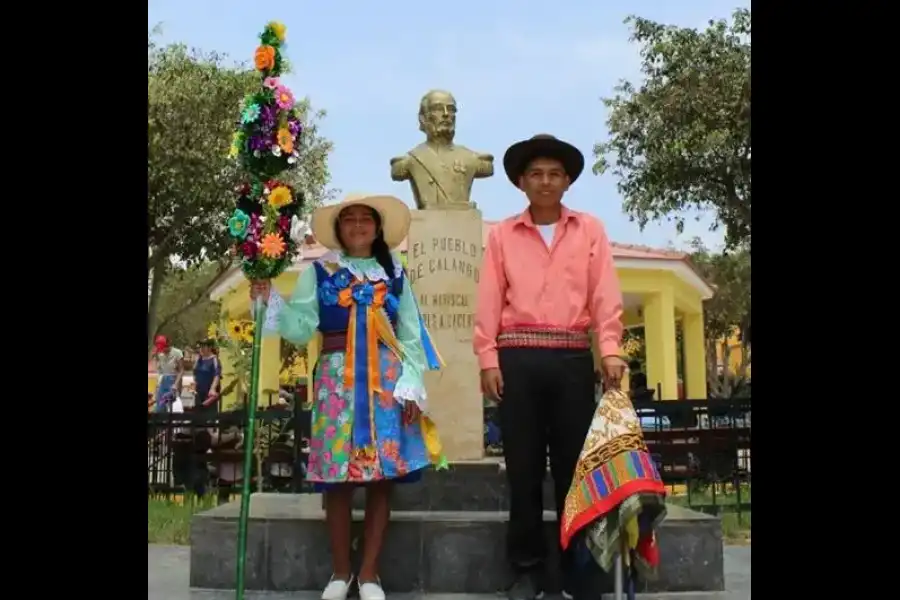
<point>735,526</point>
<point>169,520</point>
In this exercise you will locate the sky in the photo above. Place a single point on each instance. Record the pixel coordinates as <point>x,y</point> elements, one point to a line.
<point>515,67</point>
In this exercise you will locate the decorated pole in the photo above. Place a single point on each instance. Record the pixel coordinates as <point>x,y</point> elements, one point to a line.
<point>265,226</point>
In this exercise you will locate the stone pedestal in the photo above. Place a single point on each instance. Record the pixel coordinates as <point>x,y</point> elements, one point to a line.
<point>444,252</point>
<point>429,551</point>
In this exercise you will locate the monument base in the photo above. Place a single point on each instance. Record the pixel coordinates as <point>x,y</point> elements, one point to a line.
<point>425,551</point>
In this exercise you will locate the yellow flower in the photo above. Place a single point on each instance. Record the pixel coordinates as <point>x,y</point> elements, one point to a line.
<point>235,330</point>
<point>212,332</point>
<point>247,328</point>
<point>278,29</point>
<point>280,196</point>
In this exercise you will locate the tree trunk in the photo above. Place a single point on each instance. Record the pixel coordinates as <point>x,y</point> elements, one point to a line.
<point>158,275</point>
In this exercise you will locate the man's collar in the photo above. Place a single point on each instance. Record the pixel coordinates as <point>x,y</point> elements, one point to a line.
<point>525,217</point>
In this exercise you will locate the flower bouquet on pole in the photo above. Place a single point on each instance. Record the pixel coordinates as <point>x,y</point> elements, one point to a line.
<point>265,226</point>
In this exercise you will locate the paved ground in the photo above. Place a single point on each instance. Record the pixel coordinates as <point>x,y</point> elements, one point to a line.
<point>169,566</point>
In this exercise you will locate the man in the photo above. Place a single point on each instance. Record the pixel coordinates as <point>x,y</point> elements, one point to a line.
<point>440,172</point>
<point>547,280</point>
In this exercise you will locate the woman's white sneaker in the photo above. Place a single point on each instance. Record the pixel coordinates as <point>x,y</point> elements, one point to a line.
<point>337,589</point>
<point>371,591</point>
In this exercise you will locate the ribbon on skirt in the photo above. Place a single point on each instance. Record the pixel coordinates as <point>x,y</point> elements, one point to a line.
<point>362,372</point>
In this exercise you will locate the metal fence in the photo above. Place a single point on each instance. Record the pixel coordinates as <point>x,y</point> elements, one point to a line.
<point>701,448</point>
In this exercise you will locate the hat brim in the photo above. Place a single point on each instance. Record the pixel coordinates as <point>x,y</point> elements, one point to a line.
<point>395,219</point>
<point>521,153</point>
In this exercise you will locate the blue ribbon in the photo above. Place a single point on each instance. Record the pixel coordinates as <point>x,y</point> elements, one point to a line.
<point>362,430</point>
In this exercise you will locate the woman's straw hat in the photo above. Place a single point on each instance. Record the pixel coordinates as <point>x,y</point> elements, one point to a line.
<point>395,218</point>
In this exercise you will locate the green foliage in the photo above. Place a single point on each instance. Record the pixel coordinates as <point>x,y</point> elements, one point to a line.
<point>727,312</point>
<point>682,139</point>
<point>184,308</point>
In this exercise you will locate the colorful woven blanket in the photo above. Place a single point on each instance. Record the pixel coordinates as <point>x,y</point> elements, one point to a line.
<point>617,498</point>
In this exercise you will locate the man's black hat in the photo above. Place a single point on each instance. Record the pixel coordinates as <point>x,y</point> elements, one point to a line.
<point>542,145</point>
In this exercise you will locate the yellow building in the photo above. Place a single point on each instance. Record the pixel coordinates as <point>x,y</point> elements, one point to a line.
<point>660,288</point>
<point>735,354</point>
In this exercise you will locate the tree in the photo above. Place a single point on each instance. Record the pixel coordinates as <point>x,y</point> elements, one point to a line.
<point>185,311</point>
<point>728,312</point>
<point>682,140</point>
<point>193,105</point>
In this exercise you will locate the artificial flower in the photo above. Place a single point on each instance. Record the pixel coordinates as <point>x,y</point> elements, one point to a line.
<point>264,58</point>
<point>278,30</point>
<point>276,151</point>
<point>272,246</point>
<point>280,196</point>
<point>342,279</point>
<point>328,293</point>
<point>285,140</point>
<point>248,249</point>
<point>250,114</point>
<point>299,230</point>
<point>235,330</point>
<point>284,98</point>
<point>284,223</point>
<point>238,224</point>
<point>271,83</point>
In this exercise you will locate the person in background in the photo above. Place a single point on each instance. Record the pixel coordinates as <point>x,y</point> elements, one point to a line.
<point>170,366</point>
<point>547,281</point>
<point>207,379</point>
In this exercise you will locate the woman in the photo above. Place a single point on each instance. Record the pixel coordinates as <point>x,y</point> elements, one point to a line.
<point>170,367</point>
<point>368,425</point>
<point>207,379</point>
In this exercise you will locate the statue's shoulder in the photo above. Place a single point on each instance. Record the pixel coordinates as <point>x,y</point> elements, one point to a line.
<point>473,154</point>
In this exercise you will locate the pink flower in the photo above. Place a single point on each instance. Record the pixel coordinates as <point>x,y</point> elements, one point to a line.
<point>271,83</point>
<point>330,432</point>
<point>333,412</point>
<point>284,98</point>
<point>326,456</point>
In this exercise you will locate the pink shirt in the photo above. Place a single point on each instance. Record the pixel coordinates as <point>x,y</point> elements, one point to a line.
<point>572,285</point>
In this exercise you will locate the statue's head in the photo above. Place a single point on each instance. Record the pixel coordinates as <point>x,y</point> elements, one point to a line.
<point>437,115</point>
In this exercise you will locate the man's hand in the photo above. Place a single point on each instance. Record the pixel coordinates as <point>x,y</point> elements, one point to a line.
<point>613,369</point>
<point>492,384</point>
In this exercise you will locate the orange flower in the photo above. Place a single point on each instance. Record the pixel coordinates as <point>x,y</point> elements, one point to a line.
<point>272,245</point>
<point>264,58</point>
<point>285,141</point>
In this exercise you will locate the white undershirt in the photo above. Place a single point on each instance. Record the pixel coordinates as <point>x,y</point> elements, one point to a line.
<point>547,233</point>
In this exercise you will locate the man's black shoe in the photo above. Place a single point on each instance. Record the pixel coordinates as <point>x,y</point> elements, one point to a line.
<point>527,586</point>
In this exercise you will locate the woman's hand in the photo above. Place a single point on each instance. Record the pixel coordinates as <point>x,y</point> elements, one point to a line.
<point>260,288</point>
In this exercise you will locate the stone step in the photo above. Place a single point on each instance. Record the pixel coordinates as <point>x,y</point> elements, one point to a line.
<point>433,552</point>
<point>477,485</point>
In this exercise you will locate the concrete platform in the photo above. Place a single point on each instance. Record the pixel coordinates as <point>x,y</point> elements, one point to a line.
<point>425,551</point>
<point>476,485</point>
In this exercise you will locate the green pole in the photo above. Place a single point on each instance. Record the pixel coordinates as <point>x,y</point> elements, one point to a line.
<point>248,450</point>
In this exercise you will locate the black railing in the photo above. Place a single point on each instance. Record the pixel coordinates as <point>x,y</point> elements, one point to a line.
<point>197,453</point>
<point>701,448</point>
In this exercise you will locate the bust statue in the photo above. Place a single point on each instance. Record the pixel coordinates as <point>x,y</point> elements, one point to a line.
<point>440,172</point>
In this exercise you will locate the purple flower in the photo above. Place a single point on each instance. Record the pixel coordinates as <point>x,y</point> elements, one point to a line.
<point>259,143</point>
<point>294,127</point>
<point>267,116</point>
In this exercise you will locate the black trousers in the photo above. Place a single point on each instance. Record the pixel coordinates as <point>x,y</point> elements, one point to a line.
<point>548,404</point>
